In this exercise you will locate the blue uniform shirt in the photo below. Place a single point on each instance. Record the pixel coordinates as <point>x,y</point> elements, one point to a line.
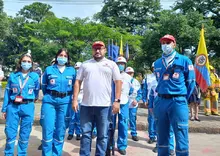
<point>54,80</point>
<point>145,90</point>
<point>152,96</point>
<point>179,78</point>
<point>30,90</point>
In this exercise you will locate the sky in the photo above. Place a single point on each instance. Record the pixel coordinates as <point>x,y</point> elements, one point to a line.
<point>67,8</point>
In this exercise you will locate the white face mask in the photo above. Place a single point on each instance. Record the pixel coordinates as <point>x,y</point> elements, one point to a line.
<point>167,48</point>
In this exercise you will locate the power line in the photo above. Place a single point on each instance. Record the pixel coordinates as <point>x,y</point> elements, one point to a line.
<point>93,2</point>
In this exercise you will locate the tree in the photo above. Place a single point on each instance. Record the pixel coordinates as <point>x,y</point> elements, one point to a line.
<point>3,22</point>
<point>1,6</point>
<point>206,7</point>
<point>129,15</point>
<point>36,12</point>
<point>185,28</point>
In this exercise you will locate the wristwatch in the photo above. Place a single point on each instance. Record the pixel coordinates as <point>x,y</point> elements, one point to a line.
<point>117,100</point>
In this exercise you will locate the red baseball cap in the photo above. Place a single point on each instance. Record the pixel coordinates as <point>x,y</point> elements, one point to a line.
<point>168,38</point>
<point>98,43</point>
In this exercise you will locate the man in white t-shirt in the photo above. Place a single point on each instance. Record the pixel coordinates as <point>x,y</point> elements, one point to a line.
<point>1,78</point>
<point>97,75</point>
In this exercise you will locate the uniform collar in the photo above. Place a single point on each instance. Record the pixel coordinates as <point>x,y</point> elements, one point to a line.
<point>20,74</point>
<point>56,66</point>
<point>177,55</point>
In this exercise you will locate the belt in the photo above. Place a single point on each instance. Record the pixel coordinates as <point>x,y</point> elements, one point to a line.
<point>24,101</point>
<point>169,96</point>
<point>58,94</point>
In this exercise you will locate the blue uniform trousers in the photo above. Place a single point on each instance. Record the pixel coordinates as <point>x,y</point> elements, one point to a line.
<point>174,112</point>
<point>151,125</point>
<point>53,122</point>
<point>23,113</point>
<point>74,124</point>
<point>123,118</point>
<point>132,120</point>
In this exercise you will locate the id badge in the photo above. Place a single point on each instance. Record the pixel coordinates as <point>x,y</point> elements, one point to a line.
<point>18,99</point>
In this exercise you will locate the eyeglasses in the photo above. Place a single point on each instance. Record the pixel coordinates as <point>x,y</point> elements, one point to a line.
<point>26,61</point>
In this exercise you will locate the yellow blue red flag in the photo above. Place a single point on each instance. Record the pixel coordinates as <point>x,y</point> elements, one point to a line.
<point>202,64</point>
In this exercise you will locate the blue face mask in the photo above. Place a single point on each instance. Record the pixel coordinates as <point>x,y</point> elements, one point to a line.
<point>26,66</point>
<point>61,60</point>
<point>166,48</point>
<point>121,67</point>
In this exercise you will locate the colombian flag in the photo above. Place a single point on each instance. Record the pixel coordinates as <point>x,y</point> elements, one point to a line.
<point>202,64</point>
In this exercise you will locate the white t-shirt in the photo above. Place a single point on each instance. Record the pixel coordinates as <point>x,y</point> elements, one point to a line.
<point>80,96</point>
<point>61,68</point>
<point>151,81</point>
<point>136,86</point>
<point>97,81</point>
<point>126,85</point>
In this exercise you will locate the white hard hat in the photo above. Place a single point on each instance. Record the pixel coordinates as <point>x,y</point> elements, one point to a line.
<point>121,60</point>
<point>129,70</point>
<point>78,64</point>
<point>152,64</point>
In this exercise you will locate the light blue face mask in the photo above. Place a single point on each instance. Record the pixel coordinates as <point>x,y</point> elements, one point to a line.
<point>26,66</point>
<point>121,67</point>
<point>61,60</point>
<point>166,48</point>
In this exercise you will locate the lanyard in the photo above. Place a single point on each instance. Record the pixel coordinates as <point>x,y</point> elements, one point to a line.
<point>22,85</point>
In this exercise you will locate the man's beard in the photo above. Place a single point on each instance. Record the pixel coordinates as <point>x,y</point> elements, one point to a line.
<point>98,58</point>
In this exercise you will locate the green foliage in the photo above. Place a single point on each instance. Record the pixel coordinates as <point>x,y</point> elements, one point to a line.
<point>37,28</point>
<point>129,15</point>
<point>206,7</point>
<point>3,22</point>
<point>36,12</point>
<point>1,6</point>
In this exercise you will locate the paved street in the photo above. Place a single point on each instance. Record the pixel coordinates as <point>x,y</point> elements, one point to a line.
<point>201,144</point>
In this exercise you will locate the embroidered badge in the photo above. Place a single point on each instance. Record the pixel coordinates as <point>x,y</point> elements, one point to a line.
<point>191,67</point>
<point>176,75</point>
<point>106,65</point>
<point>52,81</point>
<point>158,74</point>
<point>165,76</point>
<point>70,82</point>
<point>30,91</point>
<point>15,90</point>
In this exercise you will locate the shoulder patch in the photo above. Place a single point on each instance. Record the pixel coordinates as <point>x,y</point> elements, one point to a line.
<point>191,67</point>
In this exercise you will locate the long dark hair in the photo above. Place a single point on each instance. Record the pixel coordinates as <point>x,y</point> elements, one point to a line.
<point>19,68</point>
<point>68,56</point>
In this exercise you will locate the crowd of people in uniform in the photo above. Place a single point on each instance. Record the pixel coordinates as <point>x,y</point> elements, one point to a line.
<point>85,98</point>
